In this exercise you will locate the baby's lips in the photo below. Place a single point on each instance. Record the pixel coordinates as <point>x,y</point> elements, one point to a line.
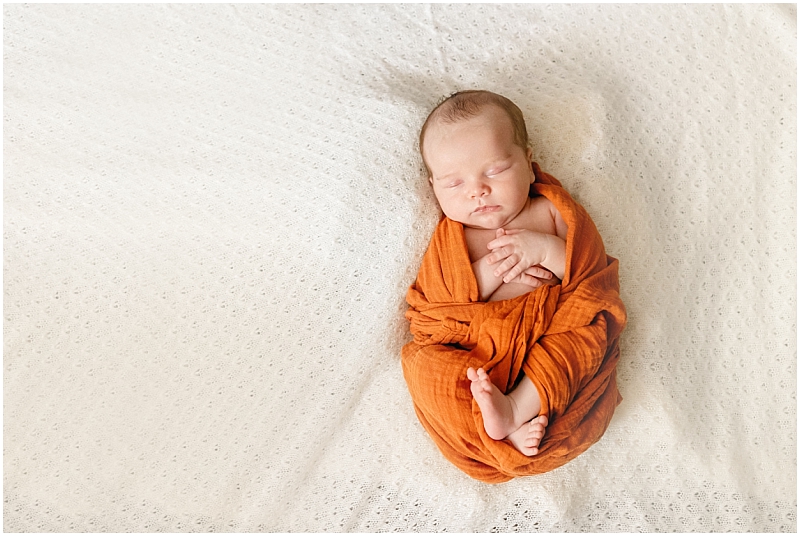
<point>486,209</point>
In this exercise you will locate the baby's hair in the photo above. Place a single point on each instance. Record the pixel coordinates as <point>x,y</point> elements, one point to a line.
<point>466,104</point>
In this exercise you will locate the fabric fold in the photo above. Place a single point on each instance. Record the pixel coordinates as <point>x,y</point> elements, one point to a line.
<point>565,338</point>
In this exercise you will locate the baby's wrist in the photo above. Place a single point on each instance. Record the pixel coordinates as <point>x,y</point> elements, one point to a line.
<point>555,255</point>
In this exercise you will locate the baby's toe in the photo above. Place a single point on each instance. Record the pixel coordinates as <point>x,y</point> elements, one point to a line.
<point>535,433</point>
<point>486,385</point>
<point>531,442</point>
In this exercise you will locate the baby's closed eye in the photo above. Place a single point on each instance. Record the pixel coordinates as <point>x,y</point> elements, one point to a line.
<point>497,170</point>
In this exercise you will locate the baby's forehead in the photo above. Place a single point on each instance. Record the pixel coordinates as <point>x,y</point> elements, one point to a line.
<point>488,118</point>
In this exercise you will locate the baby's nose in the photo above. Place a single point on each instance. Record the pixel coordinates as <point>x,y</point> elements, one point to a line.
<point>479,189</point>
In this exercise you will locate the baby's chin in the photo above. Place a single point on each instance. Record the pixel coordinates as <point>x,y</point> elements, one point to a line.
<point>490,222</point>
<point>484,222</point>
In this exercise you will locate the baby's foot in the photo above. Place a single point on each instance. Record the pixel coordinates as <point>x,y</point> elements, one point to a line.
<point>527,438</point>
<point>496,408</point>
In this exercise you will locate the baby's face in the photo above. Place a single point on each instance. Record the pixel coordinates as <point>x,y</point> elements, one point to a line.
<point>479,176</point>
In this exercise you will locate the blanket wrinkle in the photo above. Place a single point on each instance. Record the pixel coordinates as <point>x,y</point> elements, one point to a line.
<point>564,337</point>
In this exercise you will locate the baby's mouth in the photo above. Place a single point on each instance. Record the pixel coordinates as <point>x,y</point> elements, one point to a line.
<point>486,208</point>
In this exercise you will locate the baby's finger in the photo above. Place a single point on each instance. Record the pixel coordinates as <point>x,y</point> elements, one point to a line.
<point>538,271</point>
<point>512,274</point>
<point>502,270</point>
<point>499,242</point>
<point>529,280</point>
<point>511,267</point>
<point>497,255</point>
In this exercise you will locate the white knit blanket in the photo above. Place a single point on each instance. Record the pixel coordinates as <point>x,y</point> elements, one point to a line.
<point>212,214</point>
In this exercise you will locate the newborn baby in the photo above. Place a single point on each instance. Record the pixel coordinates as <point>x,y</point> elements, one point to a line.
<point>475,149</point>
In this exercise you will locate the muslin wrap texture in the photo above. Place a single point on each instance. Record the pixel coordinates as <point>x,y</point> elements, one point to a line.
<point>564,337</point>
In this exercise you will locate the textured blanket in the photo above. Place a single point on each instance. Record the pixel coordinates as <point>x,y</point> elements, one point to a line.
<point>212,214</point>
<point>563,337</point>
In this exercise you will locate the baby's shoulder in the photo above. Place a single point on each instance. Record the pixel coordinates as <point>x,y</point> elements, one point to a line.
<point>541,216</point>
<point>546,215</point>
<point>541,207</point>
<point>540,204</point>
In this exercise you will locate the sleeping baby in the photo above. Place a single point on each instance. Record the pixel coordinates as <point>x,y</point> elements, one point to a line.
<point>475,149</point>
<point>515,311</point>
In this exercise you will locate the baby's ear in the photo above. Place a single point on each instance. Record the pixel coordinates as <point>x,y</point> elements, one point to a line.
<point>530,164</point>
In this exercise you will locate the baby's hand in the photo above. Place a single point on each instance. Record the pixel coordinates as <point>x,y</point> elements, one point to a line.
<point>520,250</point>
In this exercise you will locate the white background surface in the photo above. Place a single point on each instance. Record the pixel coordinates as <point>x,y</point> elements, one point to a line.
<point>212,214</point>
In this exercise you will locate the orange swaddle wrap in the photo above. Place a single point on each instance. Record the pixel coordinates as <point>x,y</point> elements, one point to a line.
<point>563,337</point>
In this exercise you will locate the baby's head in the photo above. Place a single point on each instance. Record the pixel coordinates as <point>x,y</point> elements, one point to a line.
<point>467,104</point>
<point>475,149</point>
